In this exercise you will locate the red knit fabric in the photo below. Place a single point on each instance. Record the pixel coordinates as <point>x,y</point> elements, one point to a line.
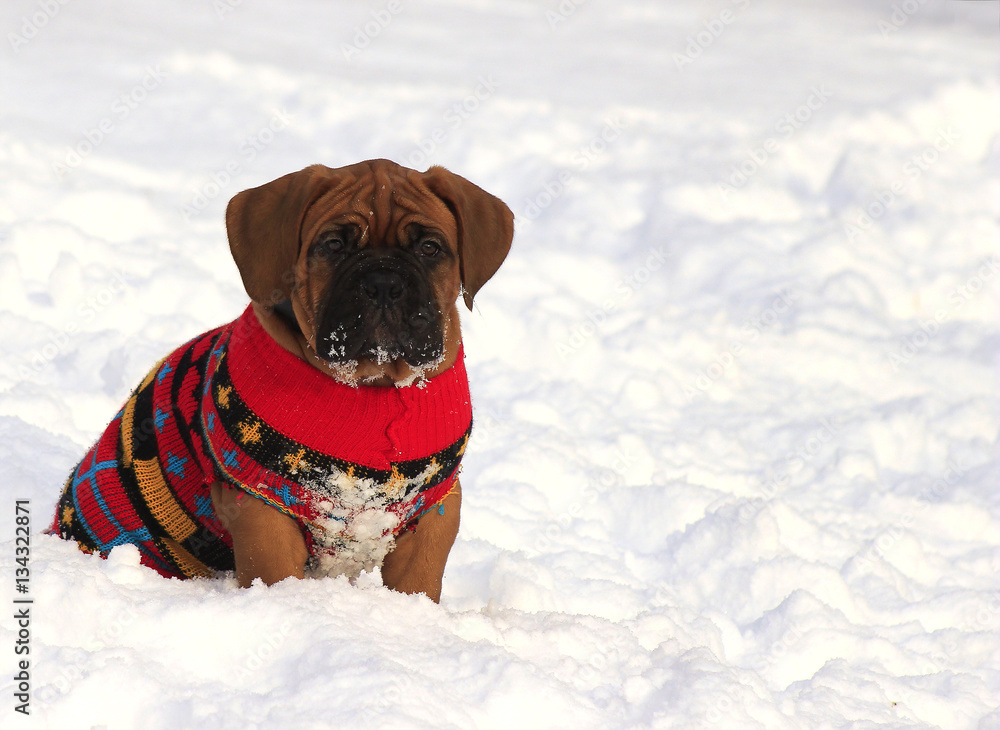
<point>373,426</point>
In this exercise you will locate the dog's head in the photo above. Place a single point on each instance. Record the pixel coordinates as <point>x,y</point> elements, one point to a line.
<point>373,258</point>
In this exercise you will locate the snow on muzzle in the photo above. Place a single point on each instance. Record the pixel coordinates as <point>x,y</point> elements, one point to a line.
<point>380,308</point>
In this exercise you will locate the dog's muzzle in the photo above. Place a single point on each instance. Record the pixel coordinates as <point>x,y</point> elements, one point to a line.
<point>380,307</point>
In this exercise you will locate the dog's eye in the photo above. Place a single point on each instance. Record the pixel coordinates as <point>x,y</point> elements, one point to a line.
<point>330,246</point>
<point>429,248</point>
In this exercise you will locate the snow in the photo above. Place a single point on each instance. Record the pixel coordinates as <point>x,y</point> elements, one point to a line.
<point>356,527</point>
<point>736,387</point>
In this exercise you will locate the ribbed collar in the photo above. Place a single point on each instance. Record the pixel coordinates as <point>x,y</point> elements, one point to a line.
<point>374,426</point>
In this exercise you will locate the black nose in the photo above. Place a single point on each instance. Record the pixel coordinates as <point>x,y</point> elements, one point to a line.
<point>382,286</point>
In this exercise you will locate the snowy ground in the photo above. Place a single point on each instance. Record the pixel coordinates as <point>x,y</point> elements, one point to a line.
<point>736,387</point>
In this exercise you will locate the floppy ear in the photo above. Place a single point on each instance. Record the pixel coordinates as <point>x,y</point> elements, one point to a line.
<point>264,225</point>
<point>485,227</point>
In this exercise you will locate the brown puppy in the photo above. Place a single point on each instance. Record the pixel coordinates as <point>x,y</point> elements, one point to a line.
<point>233,453</point>
<point>379,253</point>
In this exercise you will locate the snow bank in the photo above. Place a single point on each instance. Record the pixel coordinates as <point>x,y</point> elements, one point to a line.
<point>735,458</point>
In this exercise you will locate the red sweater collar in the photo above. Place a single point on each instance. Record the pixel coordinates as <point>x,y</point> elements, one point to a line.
<point>372,426</point>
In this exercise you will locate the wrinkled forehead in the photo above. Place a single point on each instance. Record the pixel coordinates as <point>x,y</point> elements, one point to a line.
<point>382,200</point>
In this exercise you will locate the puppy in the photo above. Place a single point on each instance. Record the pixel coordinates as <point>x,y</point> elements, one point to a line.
<point>321,432</point>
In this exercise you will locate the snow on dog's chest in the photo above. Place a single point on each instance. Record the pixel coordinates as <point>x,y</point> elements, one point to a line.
<point>356,519</point>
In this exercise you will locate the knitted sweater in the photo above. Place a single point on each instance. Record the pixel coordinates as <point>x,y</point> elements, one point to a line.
<point>353,465</point>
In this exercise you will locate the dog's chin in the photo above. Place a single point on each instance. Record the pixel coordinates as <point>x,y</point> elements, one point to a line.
<point>395,372</point>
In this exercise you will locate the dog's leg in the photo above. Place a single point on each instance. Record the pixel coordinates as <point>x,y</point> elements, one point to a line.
<point>416,564</point>
<point>267,544</point>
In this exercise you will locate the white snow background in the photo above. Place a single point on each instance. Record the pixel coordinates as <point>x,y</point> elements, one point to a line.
<point>736,387</point>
